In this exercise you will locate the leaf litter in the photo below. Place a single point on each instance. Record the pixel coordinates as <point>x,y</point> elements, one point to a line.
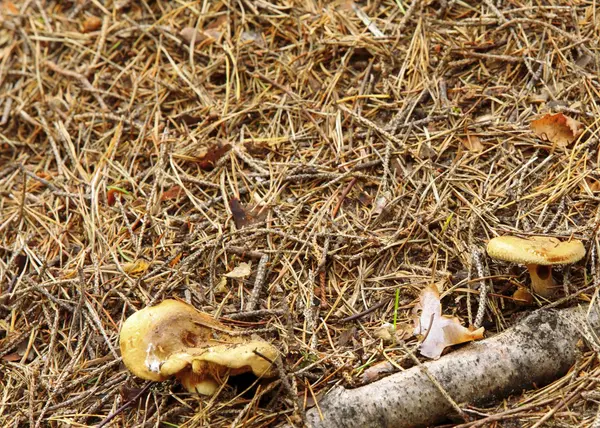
<point>323,105</point>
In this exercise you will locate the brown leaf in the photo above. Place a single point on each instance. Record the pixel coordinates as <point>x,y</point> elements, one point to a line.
<point>473,143</point>
<point>20,262</point>
<point>208,160</point>
<point>217,23</point>
<point>240,218</point>
<point>12,357</point>
<point>557,128</point>
<point>523,297</point>
<point>91,23</point>
<point>385,332</point>
<point>364,199</point>
<point>190,34</point>
<point>188,119</point>
<point>130,393</point>
<point>345,336</point>
<point>111,195</point>
<point>172,193</point>
<point>376,370</point>
<point>310,402</point>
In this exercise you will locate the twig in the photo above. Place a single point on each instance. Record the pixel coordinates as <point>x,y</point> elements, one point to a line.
<point>129,402</point>
<point>258,283</point>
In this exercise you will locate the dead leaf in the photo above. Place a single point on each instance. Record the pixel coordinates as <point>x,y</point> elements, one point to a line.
<point>364,199</point>
<point>213,33</point>
<point>439,331</point>
<point>215,28</point>
<point>252,37</point>
<point>91,23</point>
<point>557,128</point>
<point>403,331</point>
<point>240,271</point>
<point>172,193</point>
<point>136,268</point>
<point>129,393</point>
<point>240,218</point>
<point>111,195</point>
<point>380,205</point>
<point>209,158</point>
<point>11,358</point>
<point>221,286</point>
<point>376,370</point>
<point>385,332</point>
<point>311,402</point>
<point>473,143</point>
<point>523,297</point>
<point>346,335</point>
<point>10,7</point>
<point>190,34</point>
<point>593,184</point>
<point>188,119</point>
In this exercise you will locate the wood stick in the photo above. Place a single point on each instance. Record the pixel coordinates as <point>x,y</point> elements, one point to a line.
<point>536,351</point>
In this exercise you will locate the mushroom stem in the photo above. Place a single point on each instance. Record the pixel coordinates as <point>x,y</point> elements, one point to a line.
<point>541,279</point>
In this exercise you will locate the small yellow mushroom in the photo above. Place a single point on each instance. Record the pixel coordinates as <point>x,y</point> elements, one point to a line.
<point>538,253</point>
<point>174,339</point>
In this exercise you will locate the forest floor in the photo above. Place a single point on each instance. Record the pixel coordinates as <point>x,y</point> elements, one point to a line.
<point>352,153</point>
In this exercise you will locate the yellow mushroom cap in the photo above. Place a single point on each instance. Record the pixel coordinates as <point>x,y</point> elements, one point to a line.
<point>151,335</point>
<point>174,339</point>
<point>537,250</point>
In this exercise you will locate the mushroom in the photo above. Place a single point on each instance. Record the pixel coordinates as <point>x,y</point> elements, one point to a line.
<point>538,253</point>
<point>174,339</point>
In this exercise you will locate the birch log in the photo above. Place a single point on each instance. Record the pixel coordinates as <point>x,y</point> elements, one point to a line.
<point>536,351</point>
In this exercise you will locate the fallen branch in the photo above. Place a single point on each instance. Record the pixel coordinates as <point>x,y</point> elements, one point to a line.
<point>534,352</point>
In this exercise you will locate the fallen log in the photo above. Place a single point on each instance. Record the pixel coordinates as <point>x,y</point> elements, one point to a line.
<point>538,350</point>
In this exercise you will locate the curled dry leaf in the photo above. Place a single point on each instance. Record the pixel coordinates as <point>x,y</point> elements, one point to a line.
<point>240,218</point>
<point>91,23</point>
<point>136,268</point>
<point>385,332</point>
<point>380,204</point>
<point>557,128</point>
<point>12,357</point>
<point>209,158</point>
<point>376,370</point>
<point>245,215</point>
<point>473,143</point>
<point>172,193</point>
<point>216,28</point>
<point>522,297</point>
<point>111,193</point>
<point>191,35</point>
<point>240,271</point>
<point>439,331</point>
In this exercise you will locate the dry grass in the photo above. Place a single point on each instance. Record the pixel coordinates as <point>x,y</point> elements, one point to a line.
<point>351,154</point>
